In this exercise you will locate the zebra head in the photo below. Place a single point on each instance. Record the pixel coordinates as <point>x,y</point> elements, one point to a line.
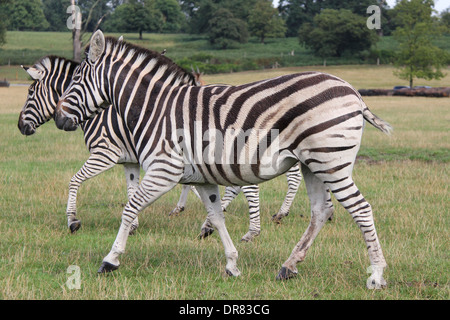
<point>82,99</point>
<point>99,79</point>
<point>51,75</point>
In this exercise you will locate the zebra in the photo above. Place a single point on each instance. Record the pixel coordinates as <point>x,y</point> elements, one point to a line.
<point>108,146</point>
<point>313,118</point>
<point>105,135</point>
<point>251,193</point>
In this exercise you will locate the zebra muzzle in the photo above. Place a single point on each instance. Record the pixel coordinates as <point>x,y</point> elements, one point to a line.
<point>62,121</point>
<point>25,127</point>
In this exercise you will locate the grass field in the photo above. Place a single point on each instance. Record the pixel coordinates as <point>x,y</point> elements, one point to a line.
<point>405,177</point>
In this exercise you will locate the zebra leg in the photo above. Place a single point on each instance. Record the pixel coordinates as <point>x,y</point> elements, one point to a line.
<point>132,172</point>
<point>90,169</point>
<point>231,192</point>
<point>347,193</point>
<point>182,201</point>
<point>294,178</point>
<point>252,195</point>
<point>321,209</point>
<point>211,199</point>
<point>153,185</point>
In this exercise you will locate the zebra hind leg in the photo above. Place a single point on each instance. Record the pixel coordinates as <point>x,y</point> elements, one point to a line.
<point>252,195</point>
<point>294,178</point>
<point>321,210</point>
<point>353,201</point>
<point>132,172</point>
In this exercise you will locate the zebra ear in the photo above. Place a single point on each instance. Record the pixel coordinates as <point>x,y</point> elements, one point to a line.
<point>96,46</point>
<point>34,73</point>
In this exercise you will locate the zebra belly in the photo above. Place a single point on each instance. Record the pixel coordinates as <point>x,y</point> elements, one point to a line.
<point>235,175</point>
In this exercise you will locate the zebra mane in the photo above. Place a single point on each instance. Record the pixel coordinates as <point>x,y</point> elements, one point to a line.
<point>46,63</point>
<point>144,54</point>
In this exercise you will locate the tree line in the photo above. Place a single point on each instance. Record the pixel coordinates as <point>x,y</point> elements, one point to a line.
<point>329,28</point>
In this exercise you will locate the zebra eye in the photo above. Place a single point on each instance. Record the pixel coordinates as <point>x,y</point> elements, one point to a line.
<point>76,78</point>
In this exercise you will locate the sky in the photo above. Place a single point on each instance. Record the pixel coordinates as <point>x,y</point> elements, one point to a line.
<point>439,5</point>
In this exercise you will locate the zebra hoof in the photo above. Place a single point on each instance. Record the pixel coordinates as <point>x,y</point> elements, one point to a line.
<point>249,236</point>
<point>74,225</point>
<point>205,232</point>
<point>286,274</point>
<point>176,211</point>
<point>235,273</point>
<point>107,267</point>
<point>276,219</point>
<point>133,229</point>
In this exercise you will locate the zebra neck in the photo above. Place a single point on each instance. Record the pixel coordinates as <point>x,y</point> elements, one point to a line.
<point>143,101</point>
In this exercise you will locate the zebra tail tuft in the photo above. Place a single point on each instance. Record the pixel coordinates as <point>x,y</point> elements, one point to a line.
<point>377,122</point>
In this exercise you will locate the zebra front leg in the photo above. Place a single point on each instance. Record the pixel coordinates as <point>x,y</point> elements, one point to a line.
<point>321,210</point>
<point>182,201</point>
<point>132,173</point>
<point>251,193</point>
<point>152,186</point>
<point>294,178</point>
<point>231,193</point>
<point>94,165</point>
<point>211,199</point>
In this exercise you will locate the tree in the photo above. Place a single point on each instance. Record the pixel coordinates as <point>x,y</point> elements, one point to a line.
<point>81,17</point>
<point>200,12</point>
<point>335,32</point>
<point>225,30</point>
<point>25,15</point>
<point>416,56</point>
<point>445,20</point>
<point>171,14</point>
<point>298,12</point>
<point>3,4</point>
<point>135,16</point>
<point>264,21</point>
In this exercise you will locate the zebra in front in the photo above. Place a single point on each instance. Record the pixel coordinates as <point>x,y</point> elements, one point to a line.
<point>109,142</point>
<point>265,128</point>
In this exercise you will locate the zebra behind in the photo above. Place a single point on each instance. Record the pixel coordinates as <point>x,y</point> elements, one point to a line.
<point>312,118</point>
<point>109,142</point>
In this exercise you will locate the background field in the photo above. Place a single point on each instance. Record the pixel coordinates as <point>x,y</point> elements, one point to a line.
<point>405,177</point>
<point>25,48</point>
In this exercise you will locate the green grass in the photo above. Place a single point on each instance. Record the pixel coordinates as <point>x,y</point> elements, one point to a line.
<point>405,177</point>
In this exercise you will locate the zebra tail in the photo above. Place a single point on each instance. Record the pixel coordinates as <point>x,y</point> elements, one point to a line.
<point>377,122</point>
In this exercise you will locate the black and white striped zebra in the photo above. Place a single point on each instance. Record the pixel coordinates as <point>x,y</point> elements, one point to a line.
<point>312,118</point>
<point>106,138</point>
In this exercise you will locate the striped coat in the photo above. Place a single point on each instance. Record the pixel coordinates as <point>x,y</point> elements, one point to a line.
<point>228,135</point>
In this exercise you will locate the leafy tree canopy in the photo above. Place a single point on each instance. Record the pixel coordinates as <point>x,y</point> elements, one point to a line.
<point>416,56</point>
<point>334,32</point>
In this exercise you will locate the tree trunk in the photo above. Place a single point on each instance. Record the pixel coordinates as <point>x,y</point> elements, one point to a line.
<point>76,34</point>
<point>140,34</point>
